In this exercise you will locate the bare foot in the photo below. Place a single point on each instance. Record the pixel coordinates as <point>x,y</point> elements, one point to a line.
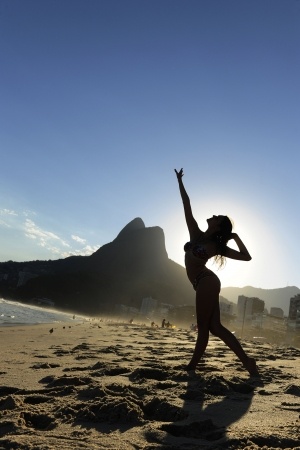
<point>190,367</point>
<point>251,367</point>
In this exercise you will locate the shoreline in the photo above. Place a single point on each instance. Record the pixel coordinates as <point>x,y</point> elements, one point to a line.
<point>16,313</point>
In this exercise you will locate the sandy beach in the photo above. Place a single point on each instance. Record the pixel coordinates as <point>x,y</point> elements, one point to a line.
<point>104,385</point>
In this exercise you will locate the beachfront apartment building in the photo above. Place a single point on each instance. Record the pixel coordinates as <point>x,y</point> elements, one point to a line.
<point>294,312</point>
<point>249,309</point>
<point>148,306</point>
<point>226,308</point>
<point>276,312</point>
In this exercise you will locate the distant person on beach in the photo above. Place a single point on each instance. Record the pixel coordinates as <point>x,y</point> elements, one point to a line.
<point>163,323</point>
<point>202,246</point>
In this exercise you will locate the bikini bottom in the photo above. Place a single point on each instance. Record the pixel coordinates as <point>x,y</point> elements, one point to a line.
<point>203,274</point>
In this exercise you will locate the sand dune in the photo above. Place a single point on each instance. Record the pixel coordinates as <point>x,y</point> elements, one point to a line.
<point>101,385</point>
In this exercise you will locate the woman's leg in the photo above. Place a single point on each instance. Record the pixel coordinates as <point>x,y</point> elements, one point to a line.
<point>217,329</point>
<point>207,295</point>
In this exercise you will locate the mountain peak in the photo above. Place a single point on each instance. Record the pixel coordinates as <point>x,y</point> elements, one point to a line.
<point>134,225</point>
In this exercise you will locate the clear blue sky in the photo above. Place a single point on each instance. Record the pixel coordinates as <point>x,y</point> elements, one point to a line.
<point>101,100</point>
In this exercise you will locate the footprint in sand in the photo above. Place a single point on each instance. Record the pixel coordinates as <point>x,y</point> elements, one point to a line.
<point>41,422</point>
<point>149,373</point>
<point>45,366</point>
<point>204,429</point>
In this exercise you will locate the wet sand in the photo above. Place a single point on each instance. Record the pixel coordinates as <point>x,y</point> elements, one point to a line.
<point>100,385</point>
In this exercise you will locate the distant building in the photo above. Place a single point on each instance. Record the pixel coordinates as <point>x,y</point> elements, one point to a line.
<point>294,310</point>
<point>249,308</point>
<point>120,309</point>
<point>226,308</point>
<point>164,309</point>
<point>184,314</point>
<point>124,310</point>
<point>277,312</point>
<point>148,306</point>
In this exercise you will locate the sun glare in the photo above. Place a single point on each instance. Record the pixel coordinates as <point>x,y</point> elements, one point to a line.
<point>252,229</point>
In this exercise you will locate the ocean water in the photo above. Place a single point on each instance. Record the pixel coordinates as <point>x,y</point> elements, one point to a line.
<point>15,313</point>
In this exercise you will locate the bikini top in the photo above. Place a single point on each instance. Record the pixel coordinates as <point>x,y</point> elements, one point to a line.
<point>198,250</point>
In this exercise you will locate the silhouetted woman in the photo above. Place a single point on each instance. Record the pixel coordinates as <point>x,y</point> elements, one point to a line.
<point>211,243</point>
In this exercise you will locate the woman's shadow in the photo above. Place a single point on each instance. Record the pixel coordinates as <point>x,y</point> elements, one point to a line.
<point>212,403</point>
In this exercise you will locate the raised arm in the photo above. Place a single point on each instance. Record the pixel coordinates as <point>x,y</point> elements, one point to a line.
<point>242,254</point>
<point>190,220</point>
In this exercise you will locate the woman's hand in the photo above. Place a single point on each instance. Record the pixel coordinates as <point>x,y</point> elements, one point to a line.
<point>179,174</point>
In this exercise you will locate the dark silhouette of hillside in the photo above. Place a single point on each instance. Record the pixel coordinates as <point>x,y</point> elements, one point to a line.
<point>133,266</point>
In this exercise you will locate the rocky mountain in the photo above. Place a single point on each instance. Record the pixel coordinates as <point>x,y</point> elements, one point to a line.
<point>133,266</point>
<point>279,298</point>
